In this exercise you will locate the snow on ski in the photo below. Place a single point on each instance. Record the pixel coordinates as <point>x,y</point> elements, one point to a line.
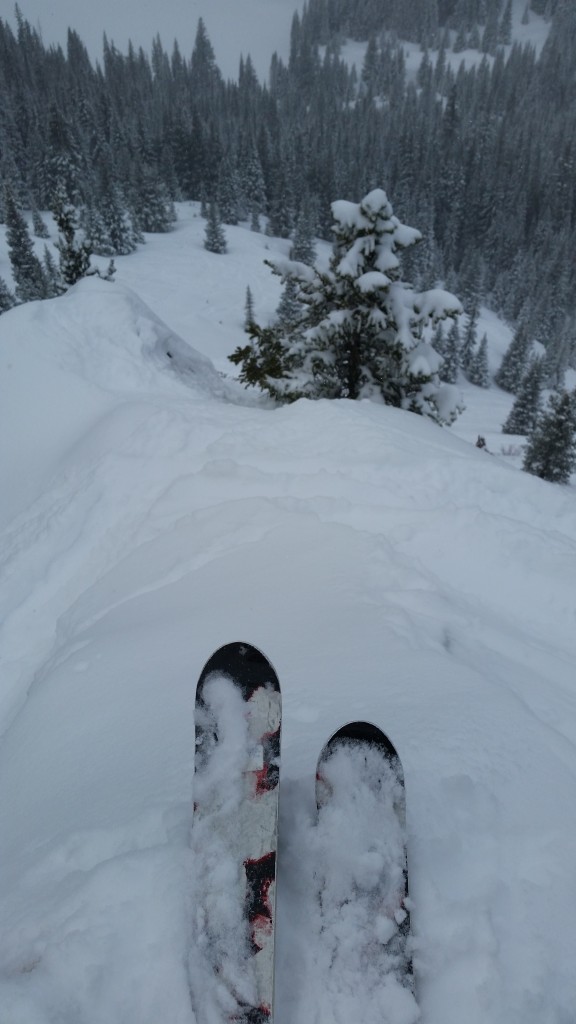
<point>362,880</point>
<point>238,722</point>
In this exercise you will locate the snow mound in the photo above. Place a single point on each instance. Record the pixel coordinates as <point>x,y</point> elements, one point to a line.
<point>68,363</point>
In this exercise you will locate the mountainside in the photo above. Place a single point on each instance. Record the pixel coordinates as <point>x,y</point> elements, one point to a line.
<point>467,123</point>
<point>152,509</point>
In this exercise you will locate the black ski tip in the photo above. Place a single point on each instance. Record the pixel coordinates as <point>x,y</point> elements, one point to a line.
<point>356,734</point>
<point>363,732</point>
<point>242,662</point>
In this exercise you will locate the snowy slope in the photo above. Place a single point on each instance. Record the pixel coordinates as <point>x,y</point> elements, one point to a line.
<point>153,510</point>
<point>533,34</point>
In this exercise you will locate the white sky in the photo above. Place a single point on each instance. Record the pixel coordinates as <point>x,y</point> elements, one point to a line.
<point>235,27</point>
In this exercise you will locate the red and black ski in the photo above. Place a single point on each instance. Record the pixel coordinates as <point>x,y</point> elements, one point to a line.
<point>237,766</point>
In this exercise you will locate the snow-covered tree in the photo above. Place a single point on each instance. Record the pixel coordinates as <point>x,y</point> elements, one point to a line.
<point>451,356</point>
<point>26,267</point>
<point>505,27</point>
<point>7,300</point>
<point>551,451</point>
<point>478,370</point>
<point>469,339</point>
<point>54,283</point>
<point>361,334</point>
<point>40,229</point>
<point>290,309</point>
<point>558,354</point>
<point>303,249</point>
<point>108,225</point>
<point>524,413</point>
<point>214,238</point>
<point>515,361</point>
<point>254,219</point>
<point>74,252</point>
<point>228,192</point>
<point>152,205</point>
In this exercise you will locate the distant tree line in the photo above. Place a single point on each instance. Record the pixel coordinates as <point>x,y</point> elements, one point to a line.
<point>479,23</point>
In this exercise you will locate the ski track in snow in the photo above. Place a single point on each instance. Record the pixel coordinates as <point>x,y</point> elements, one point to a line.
<point>392,572</point>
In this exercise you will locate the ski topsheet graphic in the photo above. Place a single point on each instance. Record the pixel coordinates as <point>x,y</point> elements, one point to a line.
<point>362,880</point>
<point>234,837</point>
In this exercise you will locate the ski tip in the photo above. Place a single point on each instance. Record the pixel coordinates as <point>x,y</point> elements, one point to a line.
<point>357,736</point>
<point>239,649</point>
<point>243,663</point>
<point>363,732</point>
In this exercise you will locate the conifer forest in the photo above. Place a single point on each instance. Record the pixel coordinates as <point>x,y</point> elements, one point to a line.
<point>482,159</point>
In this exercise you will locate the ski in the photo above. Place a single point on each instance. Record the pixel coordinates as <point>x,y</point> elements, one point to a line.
<point>362,872</point>
<point>237,766</point>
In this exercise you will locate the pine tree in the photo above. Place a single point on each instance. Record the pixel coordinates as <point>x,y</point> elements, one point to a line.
<point>469,341</point>
<point>255,219</point>
<point>526,409</point>
<point>515,361</point>
<point>505,27</point>
<point>290,308</point>
<point>152,205</point>
<point>451,356</point>
<point>7,300</point>
<point>74,253</point>
<point>490,34</point>
<point>55,285</point>
<point>27,270</point>
<point>361,333</point>
<point>303,248</point>
<point>214,239</point>
<point>557,358</point>
<point>551,451</point>
<point>478,372</point>
<point>228,192</point>
<point>248,309</point>
<point>40,229</point>
<point>109,226</point>
<point>204,73</point>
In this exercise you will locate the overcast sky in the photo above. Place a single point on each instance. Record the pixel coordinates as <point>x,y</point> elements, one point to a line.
<point>235,27</point>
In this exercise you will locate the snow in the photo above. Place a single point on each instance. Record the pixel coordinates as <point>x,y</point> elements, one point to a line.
<point>347,936</point>
<point>436,303</point>
<point>153,510</point>
<point>372,281</point>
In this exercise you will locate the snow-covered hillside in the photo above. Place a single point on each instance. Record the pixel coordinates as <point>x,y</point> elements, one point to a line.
<point>152,510</point>
<point>532,32</point>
